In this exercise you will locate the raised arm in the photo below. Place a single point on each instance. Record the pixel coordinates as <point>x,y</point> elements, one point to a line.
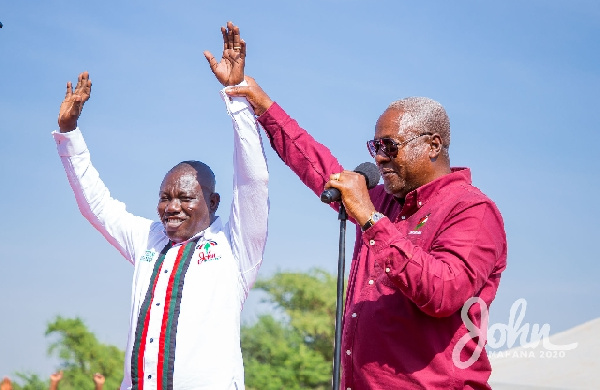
<point>98,381</point>
<point>247,225</point>
<point>311,161</point>
<point>109,216</point>
<point>55,380</point>
<point>250,204</point>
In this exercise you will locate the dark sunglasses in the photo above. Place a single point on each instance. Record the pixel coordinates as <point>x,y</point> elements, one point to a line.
<point>389,146</point>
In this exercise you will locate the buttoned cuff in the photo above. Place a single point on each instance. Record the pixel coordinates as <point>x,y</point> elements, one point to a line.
<point>69,144</point>
<point>236,104</point>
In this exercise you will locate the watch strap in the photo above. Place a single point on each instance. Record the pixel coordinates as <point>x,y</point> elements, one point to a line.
<point>375,216</point>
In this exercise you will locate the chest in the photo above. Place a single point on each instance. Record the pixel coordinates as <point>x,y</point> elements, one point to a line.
<point>198,269</point>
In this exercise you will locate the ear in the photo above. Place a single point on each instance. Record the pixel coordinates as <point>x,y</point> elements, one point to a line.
<point>435,146</point>
<point>213,205</point>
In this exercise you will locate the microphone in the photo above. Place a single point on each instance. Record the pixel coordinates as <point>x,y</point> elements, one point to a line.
<point>367,169</point>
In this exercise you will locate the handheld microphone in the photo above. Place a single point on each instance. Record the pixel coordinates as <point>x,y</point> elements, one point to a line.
<point>367,169</point>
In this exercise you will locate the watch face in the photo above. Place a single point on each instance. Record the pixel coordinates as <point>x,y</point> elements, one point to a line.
<point>376,217</point>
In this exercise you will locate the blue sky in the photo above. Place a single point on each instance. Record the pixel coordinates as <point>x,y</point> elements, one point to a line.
<point>519,80</point>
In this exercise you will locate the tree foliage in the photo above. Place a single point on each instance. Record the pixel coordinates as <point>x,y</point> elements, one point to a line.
<point>293,350</point>
<point>31,382</point>
<point>289,349</point>
<point>81,355</point>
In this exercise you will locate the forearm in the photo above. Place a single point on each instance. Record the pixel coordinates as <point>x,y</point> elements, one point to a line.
<point>310,160</point>
<point>453,269</point>
<point>250,205</point>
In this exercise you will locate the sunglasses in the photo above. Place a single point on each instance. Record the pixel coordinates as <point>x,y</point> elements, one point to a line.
<point>389,146</point>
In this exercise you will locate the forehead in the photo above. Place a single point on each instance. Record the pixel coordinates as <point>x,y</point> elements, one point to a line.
<point>388,124</point>
<point>181,179</point>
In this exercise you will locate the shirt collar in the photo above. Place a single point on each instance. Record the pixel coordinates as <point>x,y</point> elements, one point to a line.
<point>214,228</point>
<point>418,197</point>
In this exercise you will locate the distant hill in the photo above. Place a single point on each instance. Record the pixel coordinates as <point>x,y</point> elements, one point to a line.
<point>542,368</point>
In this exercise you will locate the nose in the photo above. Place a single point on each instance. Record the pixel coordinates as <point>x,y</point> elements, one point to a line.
<point>173,206</point>
<point>380,157</point>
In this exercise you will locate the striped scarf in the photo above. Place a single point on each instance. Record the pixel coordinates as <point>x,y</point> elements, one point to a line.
<point>166,350</point>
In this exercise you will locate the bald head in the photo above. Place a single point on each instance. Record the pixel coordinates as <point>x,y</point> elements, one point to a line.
<point>204,175</point>
<point>423,115</point>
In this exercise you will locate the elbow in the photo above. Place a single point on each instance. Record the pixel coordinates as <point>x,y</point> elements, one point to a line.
<point>442,305</point>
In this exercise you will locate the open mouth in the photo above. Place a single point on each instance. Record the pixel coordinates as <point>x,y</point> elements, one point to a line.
<point>172,223</point>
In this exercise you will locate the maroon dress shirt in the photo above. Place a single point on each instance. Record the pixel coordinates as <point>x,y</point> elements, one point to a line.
<point>411,274</point>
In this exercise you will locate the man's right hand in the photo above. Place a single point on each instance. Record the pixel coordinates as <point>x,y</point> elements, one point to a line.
<point>257,98</point>
<point>230,71</point>
<point>71,107</point>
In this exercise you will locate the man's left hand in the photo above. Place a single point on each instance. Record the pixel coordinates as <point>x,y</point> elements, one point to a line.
<point>230,71</point>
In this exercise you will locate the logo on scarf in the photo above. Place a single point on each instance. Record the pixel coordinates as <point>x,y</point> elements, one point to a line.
<point>206,251</point>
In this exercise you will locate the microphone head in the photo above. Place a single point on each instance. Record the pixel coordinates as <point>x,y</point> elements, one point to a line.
<point>370,172</point>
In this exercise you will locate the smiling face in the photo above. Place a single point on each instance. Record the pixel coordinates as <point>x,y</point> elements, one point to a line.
<point>186,207</point>
<point>404,172</point>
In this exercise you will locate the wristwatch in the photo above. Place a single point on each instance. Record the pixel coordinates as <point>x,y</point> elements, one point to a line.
<point>376,216</point>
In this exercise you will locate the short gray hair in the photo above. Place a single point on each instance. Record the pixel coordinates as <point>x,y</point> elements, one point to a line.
<point>423,115</point>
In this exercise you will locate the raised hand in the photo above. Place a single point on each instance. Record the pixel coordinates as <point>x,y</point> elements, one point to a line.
<point>71,107</point>
<point>98,381</point>
<point>230,71</point>
<point>56,377</point>
<point>6,384</point>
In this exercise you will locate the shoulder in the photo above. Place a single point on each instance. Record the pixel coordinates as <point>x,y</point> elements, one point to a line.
<point>470,198</point>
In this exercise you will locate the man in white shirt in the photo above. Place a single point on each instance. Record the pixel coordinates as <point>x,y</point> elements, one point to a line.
<point>192,270</point>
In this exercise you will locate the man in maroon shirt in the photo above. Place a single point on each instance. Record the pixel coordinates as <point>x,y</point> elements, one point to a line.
<point>427,241</point>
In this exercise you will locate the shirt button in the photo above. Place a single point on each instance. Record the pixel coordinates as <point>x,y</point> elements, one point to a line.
<point>149,376</point>
<point>387,269</point>
<point>348,352</point>
<point>371,281</point>
<point>420,203</point>
<point>151,339</point>
<point>353,315</point>
<point>166,270</point>
<point>157,303</point>
<point>372,242</point>
<point>404,217</point>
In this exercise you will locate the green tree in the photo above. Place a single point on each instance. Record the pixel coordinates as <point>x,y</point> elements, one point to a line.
<point>293,350</point>
<point>81,355</point>
<point>32,382</point>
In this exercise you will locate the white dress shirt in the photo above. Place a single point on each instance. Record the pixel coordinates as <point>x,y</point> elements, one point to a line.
<point>185,310</point>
